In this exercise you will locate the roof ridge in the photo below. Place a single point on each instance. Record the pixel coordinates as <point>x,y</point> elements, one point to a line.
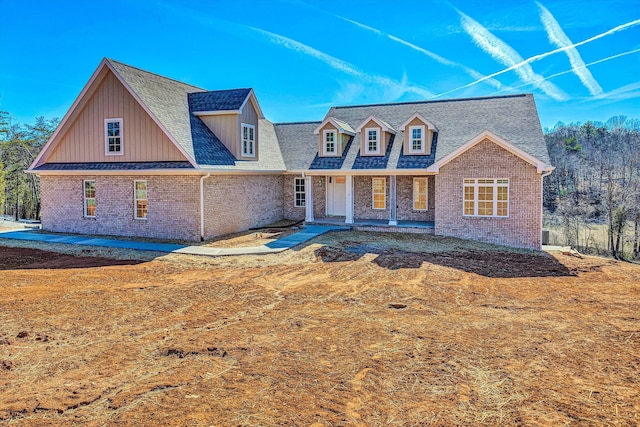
<point>156,74</point>
<point>297,123</point>
<point>479,98</point>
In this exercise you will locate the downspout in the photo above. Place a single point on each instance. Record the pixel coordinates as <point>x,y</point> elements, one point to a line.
<point>202,205</point>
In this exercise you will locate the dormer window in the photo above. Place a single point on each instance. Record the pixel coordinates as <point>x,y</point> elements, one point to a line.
<point>113,137</point>
<point>248,140</point>
<point>372,143</point>
<point>329,142</point>
<point>416,139</point>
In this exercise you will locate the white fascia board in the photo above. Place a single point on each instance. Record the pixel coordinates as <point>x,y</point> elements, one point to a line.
<point>368,172</point>
<point>417,115</point>
<point>331,120</point>
<point>487,134</point>
<point>251,95</point>
<point>66,117</point>
<point>117,172</point>
<point>380,123</point>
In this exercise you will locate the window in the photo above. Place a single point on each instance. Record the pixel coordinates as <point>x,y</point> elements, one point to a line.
<point>379,193</point>
<point>90,199</point>
<point>486,197</point>
<point>298,193</point>
<point>140,199</point>
<point>420,194</point>
<point>248,140</point>
<point>113,136</point>
<point>416,139</point>
<point>372,142</point>
<point>329,142</point>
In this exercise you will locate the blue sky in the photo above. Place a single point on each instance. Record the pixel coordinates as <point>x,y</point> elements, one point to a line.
<point>580,58</point>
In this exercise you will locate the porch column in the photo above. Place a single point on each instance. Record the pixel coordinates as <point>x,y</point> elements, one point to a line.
<point>393,205</point>
<point>308,198</point>
<point>349,195</point>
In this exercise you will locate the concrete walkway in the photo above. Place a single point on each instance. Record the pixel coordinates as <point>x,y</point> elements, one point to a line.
<point>307,233</point>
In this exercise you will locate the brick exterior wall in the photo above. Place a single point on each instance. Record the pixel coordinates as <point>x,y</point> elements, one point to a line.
<point>319,196</point>
<point>363,199</point>
<point>173,201</point>
<point>404,189</point>
<point>488,160</point>
<point>289,209</point>
<point>236,203</point>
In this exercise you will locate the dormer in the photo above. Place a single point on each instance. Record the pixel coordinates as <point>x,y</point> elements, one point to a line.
<point>418,134</point>
<point>333,135</point>
<point>232,115</point>
<point>375,135</point>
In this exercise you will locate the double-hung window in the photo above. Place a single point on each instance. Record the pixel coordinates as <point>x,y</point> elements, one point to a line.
<point>90,199</point>
<point>329,142</point>
<point>298,193</point>
<point>248,140</point>
<point>372,140</point>
<point>486,197</point>
<point>113,137</point>
<point>379,194</point>
<point>141,201</point>
<point>416,139</point>
<point>420,194</point>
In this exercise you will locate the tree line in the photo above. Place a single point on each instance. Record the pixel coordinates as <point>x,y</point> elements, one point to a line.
<point>19,146</point>
<point>596,183</point>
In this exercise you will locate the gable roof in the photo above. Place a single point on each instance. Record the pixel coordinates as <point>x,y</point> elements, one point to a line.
<point>343,127</point>
<point>418,116</point>
<point>513,117</point>
<point>386,127</point>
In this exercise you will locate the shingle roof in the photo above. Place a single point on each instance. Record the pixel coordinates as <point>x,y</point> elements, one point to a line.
<point>298,144</point>
<point>173,103</point>
<point>114,166</point>
<point>512,117</point>
<point>219,100</point>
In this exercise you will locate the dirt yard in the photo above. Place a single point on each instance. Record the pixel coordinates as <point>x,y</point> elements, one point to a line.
<point>351,329</point>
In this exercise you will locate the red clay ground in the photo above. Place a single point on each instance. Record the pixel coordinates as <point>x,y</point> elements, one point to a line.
<point>351,329</point>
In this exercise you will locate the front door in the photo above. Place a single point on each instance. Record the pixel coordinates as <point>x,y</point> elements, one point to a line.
<point>336,196</point>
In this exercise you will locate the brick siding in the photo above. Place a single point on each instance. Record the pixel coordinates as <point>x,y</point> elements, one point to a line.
<point>488,160</point>
<point>404,189</point>
<point>173,202</point>
<point>289,209</point>
<point>363,199</point>
<point>236,203</point>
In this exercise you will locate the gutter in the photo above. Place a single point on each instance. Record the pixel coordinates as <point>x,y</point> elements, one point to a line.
<point>202,205</point>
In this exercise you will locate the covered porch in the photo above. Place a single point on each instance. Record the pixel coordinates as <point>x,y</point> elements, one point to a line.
<point>372,201</point>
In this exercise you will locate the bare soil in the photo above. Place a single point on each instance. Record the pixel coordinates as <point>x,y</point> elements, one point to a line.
<point>350,329</point>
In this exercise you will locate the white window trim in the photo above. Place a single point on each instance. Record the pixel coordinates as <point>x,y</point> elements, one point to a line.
<point>426,196</point>
<point>84,198</point>
<point>295,192</point>
<point>106,137</point>
<point>324,142</point>
<point>495,185</point>
<point>422,140</point>
<point>366,141</point>
<point>245,154</point>
<point>384,192</point>
<point>135,199</point>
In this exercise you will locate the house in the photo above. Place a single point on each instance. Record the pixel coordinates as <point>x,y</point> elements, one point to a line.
<point>143,155</point>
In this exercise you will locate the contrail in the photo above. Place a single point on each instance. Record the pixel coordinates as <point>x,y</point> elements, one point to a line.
<point>506,55</point>
<point>544,55</point>
<point>339,64</point>
<point>442,60</point>
<point>585,65</point>
<point>558,37</point>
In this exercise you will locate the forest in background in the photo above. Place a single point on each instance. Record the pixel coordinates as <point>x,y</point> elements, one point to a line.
<point>591,200</point>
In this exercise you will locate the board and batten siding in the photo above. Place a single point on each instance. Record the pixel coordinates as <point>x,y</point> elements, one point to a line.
<point>142,139</point>
<point>227,128</point>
